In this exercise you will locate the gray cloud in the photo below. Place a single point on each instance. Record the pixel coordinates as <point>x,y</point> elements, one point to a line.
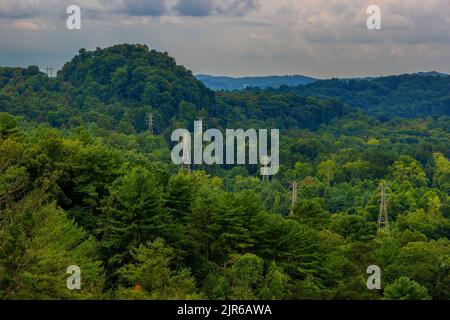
<point>19,9</point>
<point>24,9</point>
<point>239,37</point>
<point>146,8</point>
<point>195,8</point>
<point>237,7</point>
<point>200,8</point>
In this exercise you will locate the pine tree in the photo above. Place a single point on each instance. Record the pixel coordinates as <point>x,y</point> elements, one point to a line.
<point>37,245</point>
<point>149,275</point>
<point>134,214</point>
<point>405,289</point>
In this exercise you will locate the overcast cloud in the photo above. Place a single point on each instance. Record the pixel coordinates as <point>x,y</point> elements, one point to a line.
<point>321,38</point>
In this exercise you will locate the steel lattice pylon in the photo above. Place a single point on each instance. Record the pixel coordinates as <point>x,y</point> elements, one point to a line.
<point>294,196</point>
<point>383,219</point>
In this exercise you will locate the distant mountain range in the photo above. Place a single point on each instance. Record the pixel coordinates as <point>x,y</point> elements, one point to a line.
<point>218,83</point>
<point>432,74</point>
<point>231,83</point>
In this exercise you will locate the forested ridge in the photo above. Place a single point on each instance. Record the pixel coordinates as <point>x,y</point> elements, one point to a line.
<point>83,182</point>
<point>118,86</point>
<point>407,95</point>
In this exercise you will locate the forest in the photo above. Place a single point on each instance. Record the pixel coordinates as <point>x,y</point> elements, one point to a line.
<point>83,181</point>
<point>406,96</point>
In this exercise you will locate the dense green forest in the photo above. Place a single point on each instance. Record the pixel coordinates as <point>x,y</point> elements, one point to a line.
<point>82,182</point>
<point>409,95</point>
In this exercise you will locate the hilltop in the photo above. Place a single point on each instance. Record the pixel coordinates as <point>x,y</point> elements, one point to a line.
<point>117,87</point>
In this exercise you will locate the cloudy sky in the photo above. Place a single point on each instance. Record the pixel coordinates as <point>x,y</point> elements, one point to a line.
<point>321,38</point>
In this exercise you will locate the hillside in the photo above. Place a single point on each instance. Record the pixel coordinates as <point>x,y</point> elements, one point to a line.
<point>415,95</point>
<point>117,87</point>
<point>82,182</point>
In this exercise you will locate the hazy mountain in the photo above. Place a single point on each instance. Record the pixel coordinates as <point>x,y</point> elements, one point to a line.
<point>230,83</point>
<point>432,74</point>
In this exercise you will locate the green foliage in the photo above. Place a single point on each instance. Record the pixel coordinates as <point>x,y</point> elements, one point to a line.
<point>405,289</point>
<point>245,274</point>
<point>404,95</point>
<point>117,87</point>
<point>275,284</point>
<point>311,213</point>
<point>353,227</point>
<point>8,126</point>
<point>38,244</point>
<point>133,214</point>
<point>150,275</point>
<point>293,246</point>
<point>83,183</point>
<point>426,263</point>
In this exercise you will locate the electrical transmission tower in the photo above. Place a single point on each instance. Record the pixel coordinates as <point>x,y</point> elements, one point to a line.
<point>200,127</point>
<point>49,71</point>
<point>186,161</point>
<point>150,122</point>
<point>294,196</point>
<point>265,169</point>
<point>383,220</point>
